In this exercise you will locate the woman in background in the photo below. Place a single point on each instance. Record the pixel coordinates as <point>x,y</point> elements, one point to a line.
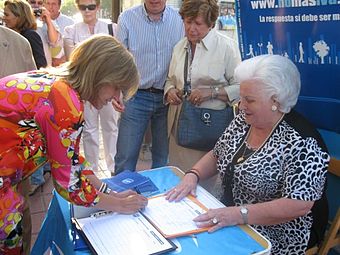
<point>212,58</point>
<point>107,117</point>
<point>18,15</point>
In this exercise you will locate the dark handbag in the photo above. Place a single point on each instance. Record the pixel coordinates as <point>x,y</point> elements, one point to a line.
<point>200,128</point>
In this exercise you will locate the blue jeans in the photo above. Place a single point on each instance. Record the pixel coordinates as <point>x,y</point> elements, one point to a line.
<point>139,110</point>
<point>37,178</point>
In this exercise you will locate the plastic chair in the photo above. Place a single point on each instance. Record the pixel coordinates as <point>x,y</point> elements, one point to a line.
<point>332,236</point>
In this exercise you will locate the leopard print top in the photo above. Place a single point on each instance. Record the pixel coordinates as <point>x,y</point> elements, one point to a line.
<point>292,164</point>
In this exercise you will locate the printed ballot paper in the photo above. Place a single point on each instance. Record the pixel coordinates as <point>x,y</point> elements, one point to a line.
<point>176,218</point>
<point>143,232</point>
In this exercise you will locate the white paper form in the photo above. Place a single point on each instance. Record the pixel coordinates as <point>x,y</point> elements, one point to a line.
<point>207,199</point>
<point>174,218</point>
<point>123,234</point>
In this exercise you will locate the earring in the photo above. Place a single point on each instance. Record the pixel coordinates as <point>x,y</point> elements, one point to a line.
<point>274,108</point>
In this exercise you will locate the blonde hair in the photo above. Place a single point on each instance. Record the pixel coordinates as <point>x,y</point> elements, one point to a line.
<point>101,60</point>
<point>24,12</point>
<point>208,9</point>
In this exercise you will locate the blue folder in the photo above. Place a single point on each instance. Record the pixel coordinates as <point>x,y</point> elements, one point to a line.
<point>134,181</point>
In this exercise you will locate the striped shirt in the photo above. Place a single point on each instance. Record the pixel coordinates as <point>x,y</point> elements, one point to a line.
<point>150,42</point>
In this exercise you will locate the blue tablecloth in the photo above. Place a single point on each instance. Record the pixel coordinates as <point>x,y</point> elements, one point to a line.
<point>56,232</point>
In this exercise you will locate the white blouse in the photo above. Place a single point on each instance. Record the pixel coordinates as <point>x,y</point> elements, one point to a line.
<point>79,32</point>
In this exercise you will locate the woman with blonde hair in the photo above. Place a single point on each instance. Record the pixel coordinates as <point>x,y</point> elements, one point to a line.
<point>18,15</point>
<point>42,121</point>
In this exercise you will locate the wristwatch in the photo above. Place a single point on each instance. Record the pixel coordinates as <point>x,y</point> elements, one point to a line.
<point>244,214</point>
<point>215,92</point>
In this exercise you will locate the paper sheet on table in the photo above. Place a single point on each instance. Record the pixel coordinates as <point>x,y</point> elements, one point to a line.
<point>123,234</point>
<point>174,219</point>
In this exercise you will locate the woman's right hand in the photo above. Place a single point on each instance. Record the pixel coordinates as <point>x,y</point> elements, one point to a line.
<point>174,96</point>
<point>131,204</point>
<point>187,186</point>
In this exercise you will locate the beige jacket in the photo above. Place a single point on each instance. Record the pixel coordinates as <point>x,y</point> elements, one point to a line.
<point>213,65</point>
<point>15,53</point>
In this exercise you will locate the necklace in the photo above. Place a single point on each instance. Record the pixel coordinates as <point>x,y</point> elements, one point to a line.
<point>249,151</point>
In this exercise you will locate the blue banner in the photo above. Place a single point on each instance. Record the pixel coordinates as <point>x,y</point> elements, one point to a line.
<point>307,32</point>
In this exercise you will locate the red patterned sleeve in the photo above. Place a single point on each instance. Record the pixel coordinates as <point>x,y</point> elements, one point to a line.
<point>61,121</point>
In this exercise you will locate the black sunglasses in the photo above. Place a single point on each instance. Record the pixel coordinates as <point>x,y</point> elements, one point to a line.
<point>90,7</point>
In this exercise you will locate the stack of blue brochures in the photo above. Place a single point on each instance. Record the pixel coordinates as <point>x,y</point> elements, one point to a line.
<point>134,181</point>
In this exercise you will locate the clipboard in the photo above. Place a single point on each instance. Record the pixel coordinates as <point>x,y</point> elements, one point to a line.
<point>160,217</point>
<point>164,215</point>
<point>80,241</point>
<point>116,234</point>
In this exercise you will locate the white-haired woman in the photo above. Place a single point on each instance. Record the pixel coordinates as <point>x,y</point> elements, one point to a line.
<point>272,161</point>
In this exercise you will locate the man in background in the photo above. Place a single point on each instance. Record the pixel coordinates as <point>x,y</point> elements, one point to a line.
<point>53,6</point>
<point>149,31</point>
<point>49,32</point>
<point>61,20</point>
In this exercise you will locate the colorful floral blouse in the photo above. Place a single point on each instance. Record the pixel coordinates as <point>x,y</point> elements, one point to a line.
<point>41,119</point>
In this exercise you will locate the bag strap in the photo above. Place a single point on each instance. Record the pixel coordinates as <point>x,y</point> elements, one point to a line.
<point>109,26</point>
<point>187,85</point>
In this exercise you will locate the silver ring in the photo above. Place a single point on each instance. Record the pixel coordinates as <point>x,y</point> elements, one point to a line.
<point>214,220</point>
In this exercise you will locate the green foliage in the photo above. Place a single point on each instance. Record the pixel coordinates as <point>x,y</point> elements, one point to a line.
<point>68,7</point>
<point>107,8</point>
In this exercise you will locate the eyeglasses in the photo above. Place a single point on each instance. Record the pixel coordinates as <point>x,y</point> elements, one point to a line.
<point>90,7</point>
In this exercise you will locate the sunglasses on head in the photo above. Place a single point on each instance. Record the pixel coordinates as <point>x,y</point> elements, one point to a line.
<point>90,7</point>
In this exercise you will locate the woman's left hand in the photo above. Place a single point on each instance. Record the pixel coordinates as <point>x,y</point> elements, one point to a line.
<point>187,186</point>
<point>218,218</point>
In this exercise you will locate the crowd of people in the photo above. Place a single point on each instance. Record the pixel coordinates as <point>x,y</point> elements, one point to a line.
<point>71,79</point>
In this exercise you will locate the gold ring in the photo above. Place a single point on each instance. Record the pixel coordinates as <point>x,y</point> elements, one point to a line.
<point>214,220</point>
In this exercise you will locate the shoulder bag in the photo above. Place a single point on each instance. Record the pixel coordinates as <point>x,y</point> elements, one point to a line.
<point>200,128</point>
